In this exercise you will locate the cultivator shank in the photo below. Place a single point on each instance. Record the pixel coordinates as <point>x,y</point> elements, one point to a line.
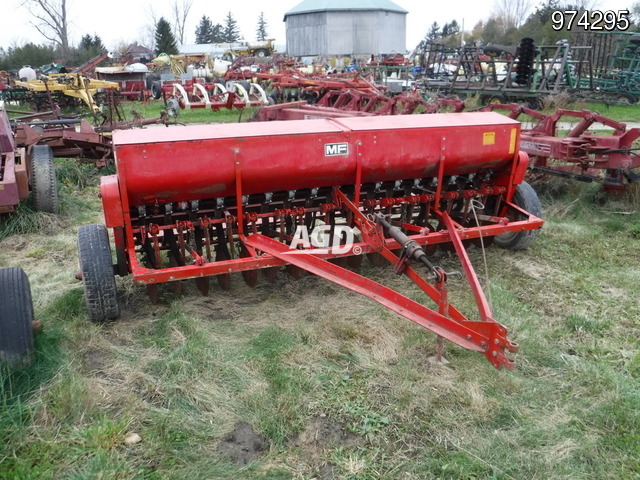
<point>319,195</point>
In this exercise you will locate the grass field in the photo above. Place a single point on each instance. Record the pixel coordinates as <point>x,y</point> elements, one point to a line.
<point>303,379</point>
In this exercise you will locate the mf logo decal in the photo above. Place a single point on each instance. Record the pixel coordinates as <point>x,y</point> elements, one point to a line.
<point>333,149</point>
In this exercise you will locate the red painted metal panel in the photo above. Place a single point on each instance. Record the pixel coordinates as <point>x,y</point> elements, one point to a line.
<point>196,162</point>
<point>9,196</point>
<point>7,144</point>
<point>111,202</point>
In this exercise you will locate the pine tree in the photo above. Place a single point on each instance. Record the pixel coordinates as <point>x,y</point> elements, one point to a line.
<point>88,42</point>
<point>217,34</point>
<point>450,29</point>
<point>433,33</point>
<point>97,42</point>
<point>261,33</point>
<point>165,40</point>
<point>204,30</point>
<point>231,33</point>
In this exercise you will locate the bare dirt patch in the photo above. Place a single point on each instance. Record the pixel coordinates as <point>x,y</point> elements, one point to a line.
<point>324,433</point>
<point>319,437</point>
<point>243,445</point>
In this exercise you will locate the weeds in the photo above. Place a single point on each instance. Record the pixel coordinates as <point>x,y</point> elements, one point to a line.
<point>26,220</point>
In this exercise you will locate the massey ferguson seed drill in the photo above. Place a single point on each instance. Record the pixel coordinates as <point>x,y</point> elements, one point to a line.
<point>205,201</point>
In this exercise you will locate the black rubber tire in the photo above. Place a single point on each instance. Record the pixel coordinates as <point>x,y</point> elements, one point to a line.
<point>527,199</point>
<point>16,318</point>
<point>534,103</point>
<point>96,265</point>
<point>495,99</point>
<point>43,179</point>
<point>492,51</point>
<point>627,98</point>
<point>156,90</point>
<point>261,53</point>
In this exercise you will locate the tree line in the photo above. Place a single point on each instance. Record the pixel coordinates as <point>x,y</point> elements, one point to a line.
<point>50,18</point>
<point>39,55</point>
<point>206,32</point>
<point>513,20</point>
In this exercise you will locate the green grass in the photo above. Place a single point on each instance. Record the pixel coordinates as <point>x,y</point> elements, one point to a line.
<point>153,108</point>
<point>337,386</point>
<point>622,113</point>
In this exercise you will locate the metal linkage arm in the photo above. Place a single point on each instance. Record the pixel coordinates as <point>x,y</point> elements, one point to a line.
<point>411,250</point>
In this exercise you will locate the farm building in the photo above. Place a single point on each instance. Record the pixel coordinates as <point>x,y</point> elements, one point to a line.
<point>345,27</point>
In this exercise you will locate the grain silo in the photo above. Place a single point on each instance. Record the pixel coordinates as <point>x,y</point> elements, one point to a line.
<point>345,27</point>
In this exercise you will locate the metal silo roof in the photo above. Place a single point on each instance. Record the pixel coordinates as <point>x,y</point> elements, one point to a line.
<point>309,6</point>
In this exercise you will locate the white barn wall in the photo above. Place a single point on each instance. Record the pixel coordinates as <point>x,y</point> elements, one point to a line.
<point>348,32</point>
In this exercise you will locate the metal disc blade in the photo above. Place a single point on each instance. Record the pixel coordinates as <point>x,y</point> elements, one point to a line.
<point>176,287</point>
<point>376,259</point>
<point>250,277</point>
<point>354,261</point>
<point>224,280</point>
<point>340,261</point>
<point>271,274</point>
<point>295,272</point>
<point>203,285</point>
<point>154,293</point>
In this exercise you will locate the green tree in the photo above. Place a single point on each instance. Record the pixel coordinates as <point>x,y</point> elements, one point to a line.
<point>88,42</point>
<point>475,36</point>
<point>451,34</point>
<point>204,30</point>
<point>231,33</point>
<point>261,32</point>
<point>29,54</point>
<point>493,31</point>
<point>539,26</point>
<point>218,33</point>
<point>434,32</point>
<point>89,47</point>
<point>165,40</point>
<point>450,29</point>
<point>635,14</point>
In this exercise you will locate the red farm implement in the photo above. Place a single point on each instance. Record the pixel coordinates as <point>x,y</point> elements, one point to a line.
<point>25,171</point>
<point>196,202</point>
<point>350,103</point>
<point>193,94</point>
<point>596,148</point>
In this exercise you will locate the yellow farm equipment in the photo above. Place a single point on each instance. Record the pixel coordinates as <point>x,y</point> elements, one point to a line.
<point>71,85</point>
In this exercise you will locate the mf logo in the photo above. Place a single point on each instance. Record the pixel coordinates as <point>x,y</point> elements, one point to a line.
<point>334,149</point>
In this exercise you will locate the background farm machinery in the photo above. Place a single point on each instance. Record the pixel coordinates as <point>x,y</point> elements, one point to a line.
<point>607,156</point>
<point>65,86</point>
<point>24,172</point>
<point>208,201</point>
<point>600,67</point>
